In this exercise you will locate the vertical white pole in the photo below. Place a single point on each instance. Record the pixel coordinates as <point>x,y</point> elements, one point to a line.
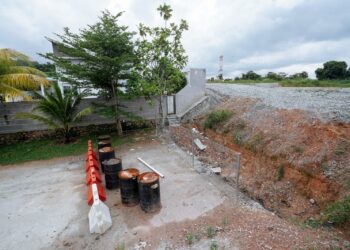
<point>42,89</point>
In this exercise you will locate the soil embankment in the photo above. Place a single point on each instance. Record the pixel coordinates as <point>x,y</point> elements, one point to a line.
<point>294,160</point>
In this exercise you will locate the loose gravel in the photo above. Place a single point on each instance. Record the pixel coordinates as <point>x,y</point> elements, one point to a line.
<point>327,104</point>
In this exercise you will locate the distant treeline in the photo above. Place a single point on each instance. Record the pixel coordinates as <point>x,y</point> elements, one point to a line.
<point>331,70</point>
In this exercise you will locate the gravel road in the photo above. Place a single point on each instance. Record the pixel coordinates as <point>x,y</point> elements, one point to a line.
<point>328,104</point>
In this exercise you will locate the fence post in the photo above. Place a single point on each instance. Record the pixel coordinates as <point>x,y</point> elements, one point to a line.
<point>192,138</point>
<point>238,169</point>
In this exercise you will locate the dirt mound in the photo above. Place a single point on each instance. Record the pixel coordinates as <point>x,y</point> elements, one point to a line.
<point>292,162</point>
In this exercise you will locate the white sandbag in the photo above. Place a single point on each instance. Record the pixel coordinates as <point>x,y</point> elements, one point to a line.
<point>99,216</point>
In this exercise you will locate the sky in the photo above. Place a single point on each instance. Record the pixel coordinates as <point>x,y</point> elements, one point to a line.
<point>260,35</point>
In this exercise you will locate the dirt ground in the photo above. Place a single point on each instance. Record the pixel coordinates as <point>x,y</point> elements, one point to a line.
<point>43,206</point>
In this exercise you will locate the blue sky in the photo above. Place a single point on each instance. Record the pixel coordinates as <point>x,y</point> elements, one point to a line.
<point>260,35</point>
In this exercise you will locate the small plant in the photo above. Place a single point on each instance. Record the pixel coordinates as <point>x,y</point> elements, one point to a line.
<point>217,117</point>
<point>280,172</point>
<point>338,212</point>
<point>213,245</point>
<point>225,222</point>
<point>255,143</point>
<point>340,150</point>
<point>190,238</point>
<point>121,246</point>
<point>298,149</point>
<point>237,137</point>
<point>210,232</point>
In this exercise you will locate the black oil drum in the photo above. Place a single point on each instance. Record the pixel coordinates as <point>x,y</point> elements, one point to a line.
<point>112,168</point>
<point>149,191</point>
<point>102,144</point>
<point>105,153</point>
<point>128,186</point>
<point>104,138</point>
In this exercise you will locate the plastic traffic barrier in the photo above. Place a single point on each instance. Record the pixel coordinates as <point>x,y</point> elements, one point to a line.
<point>100,191</point>
<point>99,216</point>
<point>92,172</point>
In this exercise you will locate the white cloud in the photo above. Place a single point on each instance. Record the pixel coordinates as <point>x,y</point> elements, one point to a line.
<point>255,35</point>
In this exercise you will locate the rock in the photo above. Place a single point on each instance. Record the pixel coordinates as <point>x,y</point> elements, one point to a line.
<point>216,170</point>
<point>141,245</point>
<point>312,201</point>
<point>270,228</point>
<point>199,144</point>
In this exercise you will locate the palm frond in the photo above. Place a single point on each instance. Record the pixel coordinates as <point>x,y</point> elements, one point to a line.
<point>13,92</point>
<point>13,55</point>
<point>50,123</point>
<point>24,81</point>
<point>82,113</point>
<point>26,70</point>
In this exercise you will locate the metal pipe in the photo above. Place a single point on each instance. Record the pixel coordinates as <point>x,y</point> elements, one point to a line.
<point>150,167</point>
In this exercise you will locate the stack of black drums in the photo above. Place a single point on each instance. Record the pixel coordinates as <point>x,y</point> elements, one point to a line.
<point>143,189</point>
<point>110,165</point>
<point>135,188</point>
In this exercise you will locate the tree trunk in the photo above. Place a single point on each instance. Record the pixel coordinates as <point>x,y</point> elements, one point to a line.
<point>115,104</point>
<point>161,120</point>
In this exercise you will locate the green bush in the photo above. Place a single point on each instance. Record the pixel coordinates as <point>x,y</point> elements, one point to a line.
<point>217,117</point>
<point>280,172</point>
<point>237,137</point>
<point>338,212</point>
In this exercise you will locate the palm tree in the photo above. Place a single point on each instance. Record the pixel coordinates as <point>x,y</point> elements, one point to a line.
<point>58,111</point>
<point>14,78</point>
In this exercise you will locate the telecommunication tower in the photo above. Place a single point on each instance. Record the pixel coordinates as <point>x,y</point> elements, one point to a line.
<point>221,66</point>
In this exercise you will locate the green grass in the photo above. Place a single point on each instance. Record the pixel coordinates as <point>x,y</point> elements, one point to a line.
<point>216,118</point>
<point>45,149</point>
<point>338,212</point>
<point>293,82</point>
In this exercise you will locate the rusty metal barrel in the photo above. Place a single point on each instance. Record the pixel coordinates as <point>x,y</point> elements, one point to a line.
<point>128,186</point>
<point>105,153</point>
<point>149,191</point>
<point>104,138</point>
<point>112,168</point>
<point>104,143</point>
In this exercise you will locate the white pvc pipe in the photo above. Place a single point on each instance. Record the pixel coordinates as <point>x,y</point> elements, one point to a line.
<point>150,167</point>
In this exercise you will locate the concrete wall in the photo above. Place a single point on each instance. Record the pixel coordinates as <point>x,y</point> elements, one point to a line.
<point>9,124</point>
<point>184,99</point>
<point>192,92</point>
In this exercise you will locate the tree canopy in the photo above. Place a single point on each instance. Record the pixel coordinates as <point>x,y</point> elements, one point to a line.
<point>333,70</point>
<point>100,56</point>
<point>161,58</point>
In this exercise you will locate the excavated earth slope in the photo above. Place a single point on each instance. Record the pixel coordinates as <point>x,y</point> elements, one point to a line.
<point>295,144</point>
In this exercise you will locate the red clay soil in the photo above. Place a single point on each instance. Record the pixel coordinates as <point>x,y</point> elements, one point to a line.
<point>314,155</point>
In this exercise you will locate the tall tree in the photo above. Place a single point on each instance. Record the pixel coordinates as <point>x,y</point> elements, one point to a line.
<point>161,58</point>
<point>14,78</point>
<point>99,56</point>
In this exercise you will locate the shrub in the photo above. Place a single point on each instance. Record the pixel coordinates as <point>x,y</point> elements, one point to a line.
<point>280,172</point>
<point>217,117</point>
<point>213,245</point>
<point>210,232</point>
<point>190,238</point>
<point>237,137</point>
<point>338,212</point>
<point>255,143</point>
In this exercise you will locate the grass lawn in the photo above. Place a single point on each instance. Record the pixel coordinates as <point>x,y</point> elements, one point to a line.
<point>44,149</point>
